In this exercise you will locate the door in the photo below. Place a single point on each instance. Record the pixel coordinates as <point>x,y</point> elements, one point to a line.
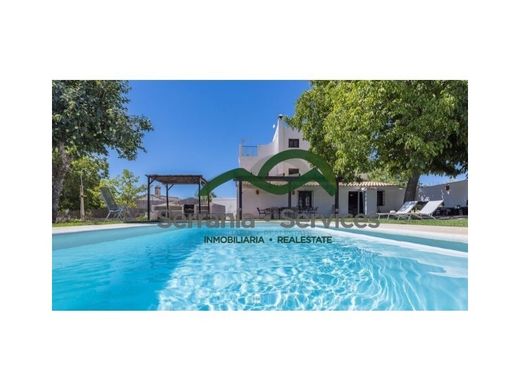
<point>304,200</point>
<point>356,203</point>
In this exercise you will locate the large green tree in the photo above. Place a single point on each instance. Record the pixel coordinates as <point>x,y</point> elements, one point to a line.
<point>88,119</point>
<point>126,188</point>
<point>398,128</point>
<point>90,171</point>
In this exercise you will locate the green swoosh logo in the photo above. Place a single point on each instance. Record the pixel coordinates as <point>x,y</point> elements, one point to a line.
<point>322,173</point>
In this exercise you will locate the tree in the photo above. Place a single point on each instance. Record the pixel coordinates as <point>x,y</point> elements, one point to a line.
<point>88,119</point>
<point>398,128</point>
<point>91,170</point>
<point>125,188</point>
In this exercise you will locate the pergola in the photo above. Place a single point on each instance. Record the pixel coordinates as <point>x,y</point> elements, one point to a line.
<point>169,181</point>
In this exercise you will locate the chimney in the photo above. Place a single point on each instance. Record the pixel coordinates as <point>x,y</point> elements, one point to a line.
<point>158,191</point>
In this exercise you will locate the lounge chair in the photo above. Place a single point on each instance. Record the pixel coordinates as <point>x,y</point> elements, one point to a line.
<point>405,210</point>
<point>428,209</point>
<point>113,207</point>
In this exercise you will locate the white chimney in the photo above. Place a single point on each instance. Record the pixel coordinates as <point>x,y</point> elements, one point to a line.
<point>158,191</point>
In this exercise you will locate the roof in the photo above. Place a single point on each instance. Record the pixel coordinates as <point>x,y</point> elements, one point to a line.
<point>190,200</point>
<point>178,179</point>
<point>371,184</point>
<point>445,184</point>
<point>359,184</point>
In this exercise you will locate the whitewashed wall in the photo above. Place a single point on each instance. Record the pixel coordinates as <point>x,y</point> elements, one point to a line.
<point>279,143</point>
<point>457,196</point>
<point>393,199</point>
<point>324,202</point>
<point>229,204</point>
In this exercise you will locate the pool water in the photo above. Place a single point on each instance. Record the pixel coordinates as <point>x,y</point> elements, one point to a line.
<point>152,268</point>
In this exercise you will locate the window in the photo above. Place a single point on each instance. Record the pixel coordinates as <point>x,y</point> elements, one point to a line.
<point>380,198</point>
<point>294,171</point>
<point>294,143</point>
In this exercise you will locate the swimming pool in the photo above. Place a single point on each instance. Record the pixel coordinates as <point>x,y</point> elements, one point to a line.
<point>153,268</point>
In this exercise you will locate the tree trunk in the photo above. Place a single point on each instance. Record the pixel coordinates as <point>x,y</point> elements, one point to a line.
<point>411,187</point>
<point>60,167</point>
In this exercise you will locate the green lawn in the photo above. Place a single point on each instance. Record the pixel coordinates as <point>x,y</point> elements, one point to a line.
<point>463,222</point>
<point>431,222</point>
<point>77,222</point>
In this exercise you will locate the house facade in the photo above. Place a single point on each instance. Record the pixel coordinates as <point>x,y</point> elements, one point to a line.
<point>366,197</point>
<point>454,194</point>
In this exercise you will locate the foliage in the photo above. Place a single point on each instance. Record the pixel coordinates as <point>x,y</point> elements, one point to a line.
<point>79,222</point>
<point>381,174</point>
<point>400,128</point>
<point>125,188</point>
<point>91,170</point>
<point>89,117</point>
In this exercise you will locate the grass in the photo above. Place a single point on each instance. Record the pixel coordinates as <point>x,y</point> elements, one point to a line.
<point>463,222</point>
<point>77,222</point>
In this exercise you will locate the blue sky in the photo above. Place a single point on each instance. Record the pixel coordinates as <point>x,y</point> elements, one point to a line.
<point>199,125</point>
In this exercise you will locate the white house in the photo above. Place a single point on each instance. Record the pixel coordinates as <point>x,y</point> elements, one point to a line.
<point>367,197</point>
<point>454,194</point>
<point>229,204</point>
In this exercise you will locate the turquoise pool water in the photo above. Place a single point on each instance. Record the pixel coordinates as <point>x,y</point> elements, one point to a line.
<point>150,268</point>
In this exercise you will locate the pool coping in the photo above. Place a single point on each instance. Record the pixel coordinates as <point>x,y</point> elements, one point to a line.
<point>449,233</point>
<point>91,228</point>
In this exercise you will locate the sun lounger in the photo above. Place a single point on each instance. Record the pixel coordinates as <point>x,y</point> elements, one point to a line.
<point>405,210</point>
<point>113,207</point>
<point>428,209</point>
